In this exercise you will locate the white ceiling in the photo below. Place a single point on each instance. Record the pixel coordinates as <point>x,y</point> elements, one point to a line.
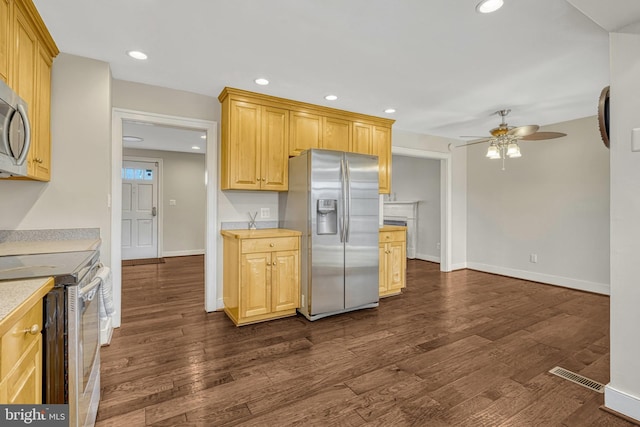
<point>442,65</point>
<point>166,138</point>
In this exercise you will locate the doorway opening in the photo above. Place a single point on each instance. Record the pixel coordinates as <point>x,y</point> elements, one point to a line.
<point>445,198</point>
<point>209,130</point>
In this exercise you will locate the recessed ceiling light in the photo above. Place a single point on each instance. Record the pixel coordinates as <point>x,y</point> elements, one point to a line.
<point>488,6</point>
<point>136,54</point>
<point>261,82</point>
<point>330,97</point>
<point>390,110</point>
<point>132,138</point>
<point>195,147</point>
<point>203,136</point>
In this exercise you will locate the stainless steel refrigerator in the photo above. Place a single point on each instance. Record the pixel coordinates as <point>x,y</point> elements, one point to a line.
<point>333,200</point>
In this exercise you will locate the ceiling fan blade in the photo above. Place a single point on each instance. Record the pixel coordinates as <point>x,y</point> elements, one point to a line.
<point>473,143</point>
<point>522,131</point>
<point>539,136</point>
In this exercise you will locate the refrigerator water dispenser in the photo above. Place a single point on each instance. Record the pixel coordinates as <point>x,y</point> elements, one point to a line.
<point>327,216</point>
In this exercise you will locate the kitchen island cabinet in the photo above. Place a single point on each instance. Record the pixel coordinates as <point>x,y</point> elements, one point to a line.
<point>21,322</point>
<point>261,278</point>
<point>307,126</point>
<point>393,260</point>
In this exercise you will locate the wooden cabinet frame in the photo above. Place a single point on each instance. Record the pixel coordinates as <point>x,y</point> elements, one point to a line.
<point>307,126</point>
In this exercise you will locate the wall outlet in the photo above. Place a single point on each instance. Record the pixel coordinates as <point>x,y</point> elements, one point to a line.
<point>265,213</point>
<point>438,245</point>
<point>533,258</point>
<point>172,202</point>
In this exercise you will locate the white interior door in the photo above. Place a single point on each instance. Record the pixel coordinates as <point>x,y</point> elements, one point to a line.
<point>139,209</point>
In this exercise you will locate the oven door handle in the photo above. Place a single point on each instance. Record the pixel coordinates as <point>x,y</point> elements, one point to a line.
<point>87,293</point>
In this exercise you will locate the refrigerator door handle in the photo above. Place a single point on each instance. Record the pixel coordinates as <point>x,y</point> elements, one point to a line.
<point>343,180</point>
<point>348,215</point>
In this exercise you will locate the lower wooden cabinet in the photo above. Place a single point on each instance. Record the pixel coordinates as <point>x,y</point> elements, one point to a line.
<point>393,260</point>
<point>261,279</point>
<point>21,347</point>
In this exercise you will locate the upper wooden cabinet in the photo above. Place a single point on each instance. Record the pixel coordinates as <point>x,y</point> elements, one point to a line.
<point>336,134</point>
<point>381,147</point>
<point>306,132</point>
<point>255,146</point>
<point>26,55</point>
<point>5,35</point>
<point>246,137</point>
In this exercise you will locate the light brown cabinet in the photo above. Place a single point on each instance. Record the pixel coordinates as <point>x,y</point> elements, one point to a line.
<point>261,278</point>
<point>336,134</point>
<point>255,144</point>
<point>393,260</point>
<point>5,32</point>
<point>306,132</point>
<point>308,126</point>
<point>21,351</point>
<point>26,56</point>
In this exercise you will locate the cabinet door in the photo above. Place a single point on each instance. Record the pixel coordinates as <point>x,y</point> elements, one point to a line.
<point>285,284</point>
<point>362,137</point>
<point>336,134</point>
<point>382,269</point>
<point>5,39</point>
<point>244,146</point>
<point>23,384</point>
<point>275,149</point>
<point>396,264</point>
<point>40,153</point>
<point>255,285</point>
<point>306,132</point>
<point>381,147</point>
<point>24,54</point>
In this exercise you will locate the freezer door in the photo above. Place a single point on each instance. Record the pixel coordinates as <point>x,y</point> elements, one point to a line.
<point>326,249</point>
<point>361,246</point>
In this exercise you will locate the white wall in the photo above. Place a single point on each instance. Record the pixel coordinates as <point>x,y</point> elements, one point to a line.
<point>419,180</point>
<point>76,196</point>
<point>622,394</point>
<point>184,224</point>
<point>552,202</point>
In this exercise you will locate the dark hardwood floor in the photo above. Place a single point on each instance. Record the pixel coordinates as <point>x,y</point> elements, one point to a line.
<point>455,349</point>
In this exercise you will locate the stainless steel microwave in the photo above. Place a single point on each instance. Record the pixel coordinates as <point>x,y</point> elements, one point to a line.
<point>15,133</point>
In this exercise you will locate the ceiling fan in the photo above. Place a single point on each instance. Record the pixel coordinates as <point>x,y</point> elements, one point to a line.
<point>503,141</point>
<point>526,133</point>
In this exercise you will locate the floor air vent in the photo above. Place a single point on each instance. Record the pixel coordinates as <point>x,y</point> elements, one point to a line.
<point>578,379</point>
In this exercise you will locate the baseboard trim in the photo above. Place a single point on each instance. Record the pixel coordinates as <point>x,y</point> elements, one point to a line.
<point>459,266</point>
<point>582,285</point>
<point>425,257</point>
<point>183,253</point>
<point>622,403</point>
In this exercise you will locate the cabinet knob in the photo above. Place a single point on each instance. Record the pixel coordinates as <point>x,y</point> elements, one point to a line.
<point>38,160</point>
<point>271,244</point>
<point>274,263</point>
<point>263,179</point>
<point>33,330</point>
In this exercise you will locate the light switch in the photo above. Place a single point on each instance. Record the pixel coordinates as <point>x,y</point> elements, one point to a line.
<point>635,139</point>
<point>172,202</point>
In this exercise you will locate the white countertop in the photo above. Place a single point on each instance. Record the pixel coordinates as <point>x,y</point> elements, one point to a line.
<point>15,292</point>
<point>47,246</point>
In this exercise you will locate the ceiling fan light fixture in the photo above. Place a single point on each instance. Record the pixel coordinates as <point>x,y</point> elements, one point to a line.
<point>488,6</point>
<point>513,150</point>
<point>493,152</point>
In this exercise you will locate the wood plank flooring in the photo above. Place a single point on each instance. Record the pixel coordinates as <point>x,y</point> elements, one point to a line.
<point>455,349</point>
